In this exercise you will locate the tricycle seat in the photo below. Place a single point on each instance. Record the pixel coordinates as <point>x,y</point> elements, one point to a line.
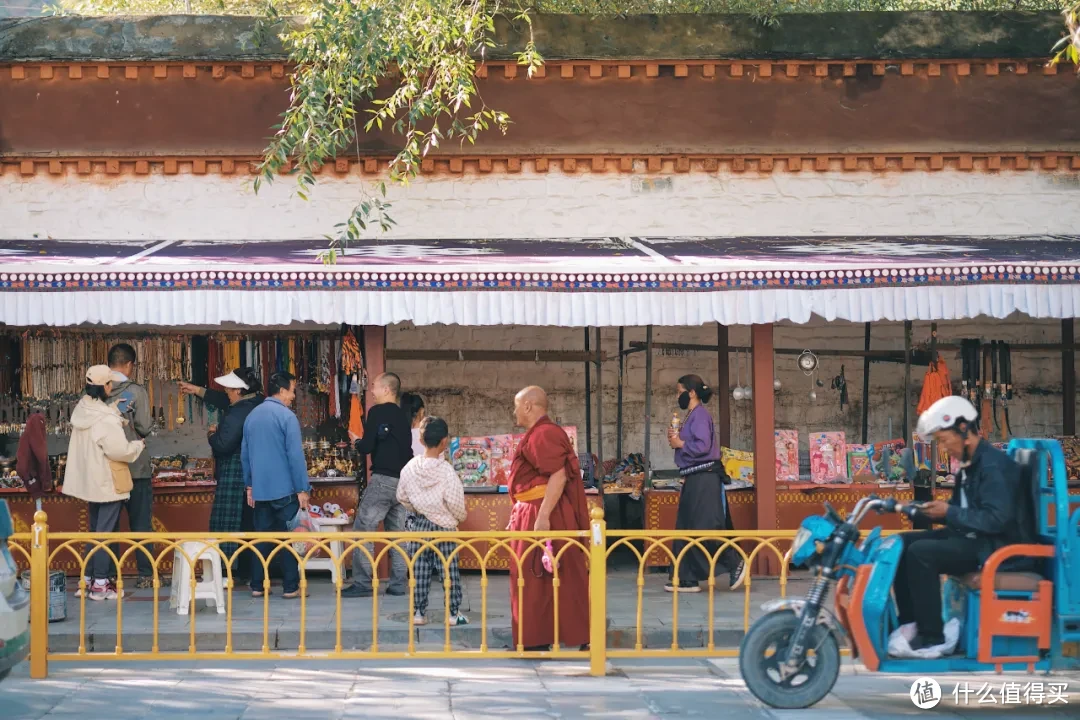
<point>1004,581</point>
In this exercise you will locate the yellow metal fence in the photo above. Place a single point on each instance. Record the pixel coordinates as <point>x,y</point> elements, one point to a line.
<point>42,551</point>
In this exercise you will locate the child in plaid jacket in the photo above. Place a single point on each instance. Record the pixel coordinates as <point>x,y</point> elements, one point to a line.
<point>434,497</point>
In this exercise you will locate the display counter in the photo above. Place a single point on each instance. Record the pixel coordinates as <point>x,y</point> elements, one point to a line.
<point>176,509</point>
<point>187,509</point>
<point>794,502</point>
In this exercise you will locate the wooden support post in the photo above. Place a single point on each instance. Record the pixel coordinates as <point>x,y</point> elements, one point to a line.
<point>374,358</point>
<point>723,412</point>
<point>588,397</point>
<point>648,406</point>
<point>866,385</point>
<point>1068,379</point>
<point>933,444</point>
<point>375,363</point>
<point>599,415</point>
<point>619,398</point>
<point>907,383</point>
<point>761,343</point>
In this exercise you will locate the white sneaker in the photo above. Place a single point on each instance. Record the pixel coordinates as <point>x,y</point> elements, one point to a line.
<point>104,592</point>
<point>459,620</point>
<point>419,619</point>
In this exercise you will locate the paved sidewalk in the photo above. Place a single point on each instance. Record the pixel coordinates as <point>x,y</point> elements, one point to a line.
<point>463,690</point>
<point>284,617</point>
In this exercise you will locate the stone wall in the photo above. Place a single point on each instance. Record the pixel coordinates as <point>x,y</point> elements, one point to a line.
<point>476,398</point>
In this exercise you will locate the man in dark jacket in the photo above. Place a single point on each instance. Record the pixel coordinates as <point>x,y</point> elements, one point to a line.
<point>980,518</point>
<point>387,441</point>
<point>133,403</point>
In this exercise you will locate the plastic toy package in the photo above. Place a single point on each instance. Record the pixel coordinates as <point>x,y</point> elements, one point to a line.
<point>828,457</point>
<point>738,464</point>
<point>787,455</point>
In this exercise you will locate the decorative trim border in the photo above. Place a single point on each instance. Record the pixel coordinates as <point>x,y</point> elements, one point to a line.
<point>569,69</point>
<point>350,279</point>
<point>510,164</point>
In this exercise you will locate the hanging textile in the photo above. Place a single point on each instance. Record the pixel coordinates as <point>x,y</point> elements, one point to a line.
<point>936,385</point>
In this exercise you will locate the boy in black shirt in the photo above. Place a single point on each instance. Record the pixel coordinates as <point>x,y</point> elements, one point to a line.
<point>388,440</point>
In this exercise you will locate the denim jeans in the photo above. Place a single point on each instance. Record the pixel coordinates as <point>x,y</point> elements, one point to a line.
<point>380,504</point>
<point>272,516</point>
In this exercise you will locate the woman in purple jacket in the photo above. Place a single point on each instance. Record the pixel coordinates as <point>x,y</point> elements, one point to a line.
<point>703,501</point>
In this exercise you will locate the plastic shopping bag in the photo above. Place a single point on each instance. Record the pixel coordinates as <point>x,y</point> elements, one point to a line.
<point>302,523</point>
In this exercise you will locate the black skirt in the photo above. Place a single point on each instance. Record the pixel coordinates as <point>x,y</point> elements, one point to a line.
<point>703,506</point>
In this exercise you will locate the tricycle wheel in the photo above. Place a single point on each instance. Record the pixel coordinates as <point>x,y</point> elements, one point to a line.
<point>763,650</point>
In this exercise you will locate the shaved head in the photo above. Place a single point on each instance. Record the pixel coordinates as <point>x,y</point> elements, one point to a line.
<point>530,405</point>
<point>391,382</point>
<point>387,388</point>
<point>535,395</point>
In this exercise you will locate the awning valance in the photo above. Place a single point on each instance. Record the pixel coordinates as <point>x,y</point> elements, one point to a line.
<point>564,281</point>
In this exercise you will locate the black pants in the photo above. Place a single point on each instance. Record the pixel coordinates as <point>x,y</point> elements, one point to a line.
<point>140,512</point>
<point>702,506</point>
<point>272,516</point>
<point>929,554</point>
<point>104,518</point>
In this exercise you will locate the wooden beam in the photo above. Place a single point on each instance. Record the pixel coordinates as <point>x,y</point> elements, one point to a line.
<point>723,411</point>
<point>1068,378</point>
<point>544,356</point>
<point>761,342</point>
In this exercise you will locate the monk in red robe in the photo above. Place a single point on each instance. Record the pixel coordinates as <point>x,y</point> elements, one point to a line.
<point>548,494</point>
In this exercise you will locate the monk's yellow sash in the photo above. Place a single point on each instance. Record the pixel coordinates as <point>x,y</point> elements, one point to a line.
<point>536,492</point>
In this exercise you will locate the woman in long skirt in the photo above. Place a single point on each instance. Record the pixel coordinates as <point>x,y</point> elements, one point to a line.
<point>243,394</point>
<point>703,500</point>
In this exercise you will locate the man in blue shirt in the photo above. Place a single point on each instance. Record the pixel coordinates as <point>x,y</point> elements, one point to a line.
<point>275,474</point>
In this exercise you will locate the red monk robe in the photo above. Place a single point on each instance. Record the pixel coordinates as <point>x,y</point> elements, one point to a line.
<point>543,451</point>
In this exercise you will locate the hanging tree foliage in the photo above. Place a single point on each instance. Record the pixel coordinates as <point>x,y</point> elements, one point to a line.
<point>409,65</point>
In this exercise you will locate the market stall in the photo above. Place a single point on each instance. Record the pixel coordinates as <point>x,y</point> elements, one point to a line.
<point>45,376</point>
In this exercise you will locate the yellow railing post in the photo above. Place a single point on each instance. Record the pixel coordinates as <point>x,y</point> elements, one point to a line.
<point>597,593</point>
<point>39,597</point>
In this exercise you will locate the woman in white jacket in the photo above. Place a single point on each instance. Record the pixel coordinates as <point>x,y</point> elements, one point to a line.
<point>97,469</point>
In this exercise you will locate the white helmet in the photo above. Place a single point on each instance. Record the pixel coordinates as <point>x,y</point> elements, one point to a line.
<point>945,414</point>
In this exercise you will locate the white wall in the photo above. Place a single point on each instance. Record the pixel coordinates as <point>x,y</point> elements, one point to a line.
<point>545,205</point>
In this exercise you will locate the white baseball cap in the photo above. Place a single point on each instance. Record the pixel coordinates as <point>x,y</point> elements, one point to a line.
<point>102,375</point>
<point>232,382</point>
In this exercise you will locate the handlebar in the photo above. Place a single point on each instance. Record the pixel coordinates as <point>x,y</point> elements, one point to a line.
<point>880,506</point>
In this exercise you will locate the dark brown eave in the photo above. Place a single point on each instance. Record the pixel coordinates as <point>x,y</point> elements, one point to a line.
<point>832,36</point>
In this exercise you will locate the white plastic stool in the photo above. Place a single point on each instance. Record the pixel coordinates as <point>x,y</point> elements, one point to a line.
<point>337,547</point>
<point>211,588</point>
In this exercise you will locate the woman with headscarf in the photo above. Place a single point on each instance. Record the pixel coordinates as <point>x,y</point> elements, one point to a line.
<point>230,512</point>
<point>703,500</point>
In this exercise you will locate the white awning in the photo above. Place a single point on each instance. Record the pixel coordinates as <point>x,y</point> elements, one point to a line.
<point>562,282</point>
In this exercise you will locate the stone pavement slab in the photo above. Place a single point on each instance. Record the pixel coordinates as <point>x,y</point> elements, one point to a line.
<point>643,689</point>
<point>282,617</point>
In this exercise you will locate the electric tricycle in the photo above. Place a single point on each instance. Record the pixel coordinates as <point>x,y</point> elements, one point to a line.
<point>790,657</point>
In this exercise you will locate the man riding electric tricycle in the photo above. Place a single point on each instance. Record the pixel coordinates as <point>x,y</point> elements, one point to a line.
<point>1010,550</point>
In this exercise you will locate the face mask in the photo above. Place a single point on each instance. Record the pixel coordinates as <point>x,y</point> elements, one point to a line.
<point>684,400</point>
